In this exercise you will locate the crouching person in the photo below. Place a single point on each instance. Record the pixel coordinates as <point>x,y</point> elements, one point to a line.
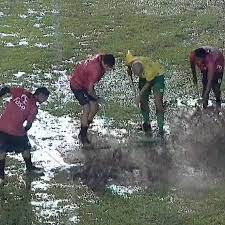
<point>22,109</point>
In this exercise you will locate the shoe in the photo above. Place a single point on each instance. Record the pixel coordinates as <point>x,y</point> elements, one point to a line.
<point>35,170</point>
<point>218,105</point>
<point>161,133</point>
<point>84,139</point>
<point>146,127</point>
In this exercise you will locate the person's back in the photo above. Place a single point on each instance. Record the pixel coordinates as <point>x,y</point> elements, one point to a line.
<point>210,61</point>
<point>89,70</point>
<point>22,107</point>
<point>214,56</point>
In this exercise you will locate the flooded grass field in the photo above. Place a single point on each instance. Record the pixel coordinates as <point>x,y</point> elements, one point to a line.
<point>124,178</point>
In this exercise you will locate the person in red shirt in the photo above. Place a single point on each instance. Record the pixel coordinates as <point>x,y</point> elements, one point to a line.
<point>210,61</point>
<point>82,83</point>
<point>21,109</point>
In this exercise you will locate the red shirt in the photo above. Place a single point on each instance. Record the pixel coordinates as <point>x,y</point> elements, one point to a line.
<point>87,73</point>
<point>22,107</point>
<point>214,56</point>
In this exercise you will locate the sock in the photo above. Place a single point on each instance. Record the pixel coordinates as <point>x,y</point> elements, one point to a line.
<point>83,131</point>
<point>145,115</point>
<point>28,163</point>
<point>160,120</point>
<point>2,168</point>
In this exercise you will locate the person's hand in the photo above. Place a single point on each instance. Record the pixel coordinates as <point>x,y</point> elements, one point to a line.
<point>205,104</point>
<point>137,100</point>
<point>101,100</point>
<point>195,81</point>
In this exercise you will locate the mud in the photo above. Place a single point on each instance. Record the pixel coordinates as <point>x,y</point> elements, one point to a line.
<point>192,156</point>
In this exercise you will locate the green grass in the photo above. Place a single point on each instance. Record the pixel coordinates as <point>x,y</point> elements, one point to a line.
<point>158,208</point>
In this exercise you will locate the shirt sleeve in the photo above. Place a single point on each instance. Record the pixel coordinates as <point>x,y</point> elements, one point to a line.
<point>32,115</point>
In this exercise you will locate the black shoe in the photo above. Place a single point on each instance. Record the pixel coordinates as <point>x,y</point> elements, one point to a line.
<point>218,104</point>
<point>35,170</point>
<point>161,133</point>
<point>146,127</point>
<point>84,139</point>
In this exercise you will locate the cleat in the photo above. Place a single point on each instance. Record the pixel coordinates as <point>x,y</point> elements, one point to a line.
<point>161,133</point>
<point>146,127</point>
<point>84,140</point>
<point>35,170</point>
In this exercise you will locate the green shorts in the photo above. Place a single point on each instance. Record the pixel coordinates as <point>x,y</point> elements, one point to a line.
<point>157,88</point>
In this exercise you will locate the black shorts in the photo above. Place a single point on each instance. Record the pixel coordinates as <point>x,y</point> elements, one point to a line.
<point>217,80</point>
<point>11,143</point>
<point>82,96</point>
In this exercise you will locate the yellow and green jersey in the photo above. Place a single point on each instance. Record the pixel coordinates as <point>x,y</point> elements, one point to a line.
<point>151,69</point>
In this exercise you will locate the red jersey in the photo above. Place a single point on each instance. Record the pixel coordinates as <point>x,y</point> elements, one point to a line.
<point>214,56</point>
<point>22,107</point>
<point>87,73</point>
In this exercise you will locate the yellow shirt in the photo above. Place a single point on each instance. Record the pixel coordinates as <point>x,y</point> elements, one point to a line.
<point>151,69</point>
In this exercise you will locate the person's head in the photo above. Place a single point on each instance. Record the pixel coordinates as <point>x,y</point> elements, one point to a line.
<point>200,54</point>
<point>137,68</point>
<point>108,62</point>
<point>41,94</point>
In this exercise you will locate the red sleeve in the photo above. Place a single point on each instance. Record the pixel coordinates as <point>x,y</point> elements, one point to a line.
<point>32,114</point>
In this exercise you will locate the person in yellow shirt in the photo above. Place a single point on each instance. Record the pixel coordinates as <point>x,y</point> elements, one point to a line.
<point>151,78</point>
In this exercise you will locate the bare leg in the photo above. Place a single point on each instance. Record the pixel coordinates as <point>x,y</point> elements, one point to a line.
<point>27,159</point>
<point>84,124</point>
<point>94,107</point>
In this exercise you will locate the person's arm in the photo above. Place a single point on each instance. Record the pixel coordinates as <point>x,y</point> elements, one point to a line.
<point>91,91</point>
<point>193,69</point>
<point>31,117</point>
<point>28,126</point>
<point>130,74</point>
<point>129,71</point>
<point>142,91</point>
<point>4,90</point>
<point>210,75</point>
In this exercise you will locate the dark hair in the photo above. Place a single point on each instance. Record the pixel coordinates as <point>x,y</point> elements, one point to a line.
<point>109,60</point>
<point>200,53</point>
<point>42,90</point>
